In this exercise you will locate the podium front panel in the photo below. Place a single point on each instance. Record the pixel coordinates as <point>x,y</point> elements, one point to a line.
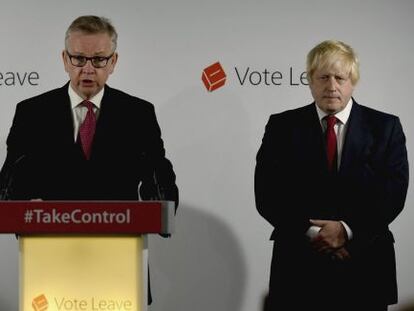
<point>83,273</point>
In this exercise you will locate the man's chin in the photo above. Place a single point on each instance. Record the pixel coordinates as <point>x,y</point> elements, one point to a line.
<point>332,107</point>
<point>332,100</point>
<point>88,92</point>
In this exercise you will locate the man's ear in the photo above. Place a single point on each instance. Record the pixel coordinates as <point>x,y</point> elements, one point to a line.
<point>65,60</point>
<point>113,62</point>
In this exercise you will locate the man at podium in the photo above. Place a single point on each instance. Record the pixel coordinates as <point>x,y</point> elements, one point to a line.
<point>86,140</point>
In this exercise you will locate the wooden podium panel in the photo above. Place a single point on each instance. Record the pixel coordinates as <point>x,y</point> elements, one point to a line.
<point>83,273</point>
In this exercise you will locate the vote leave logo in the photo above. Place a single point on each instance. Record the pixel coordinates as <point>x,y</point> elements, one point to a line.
<point>40,303</point>
<point>246,76</point>
<point>213,77</point>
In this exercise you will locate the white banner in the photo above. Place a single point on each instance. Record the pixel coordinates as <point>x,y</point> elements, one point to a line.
<point>219,258</point>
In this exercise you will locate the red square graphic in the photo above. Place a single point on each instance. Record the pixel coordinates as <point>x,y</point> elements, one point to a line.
<point>213,77</point>
<point>40,303</point>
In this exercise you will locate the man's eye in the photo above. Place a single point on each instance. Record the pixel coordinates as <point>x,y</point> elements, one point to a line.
<point>99,59</point>
<point>79,58</point>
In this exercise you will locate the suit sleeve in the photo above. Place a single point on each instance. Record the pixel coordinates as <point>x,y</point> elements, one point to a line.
<point>16,174</point>
<point>385,189</point>
<point>159,178</point>
<point>275,188</point>
<point>396,175</point>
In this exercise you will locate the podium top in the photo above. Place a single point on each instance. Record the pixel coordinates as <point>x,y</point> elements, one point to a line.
<point>79,217</point>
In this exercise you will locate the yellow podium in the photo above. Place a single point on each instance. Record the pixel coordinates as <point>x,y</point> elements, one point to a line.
<point>85,255</point>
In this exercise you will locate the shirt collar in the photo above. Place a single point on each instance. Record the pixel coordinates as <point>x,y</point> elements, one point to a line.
<point>75,99</point>
<point>342,116</point>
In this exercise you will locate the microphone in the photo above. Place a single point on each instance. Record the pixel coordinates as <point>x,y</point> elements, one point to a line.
<point>8,177</point>
<point>163,182</point>
<point>159,184</point>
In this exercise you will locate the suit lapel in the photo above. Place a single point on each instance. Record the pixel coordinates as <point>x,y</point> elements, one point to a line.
<point>311,139</point>
<point>63,116</point>
<point>357,139</point>
<point>102,122</point>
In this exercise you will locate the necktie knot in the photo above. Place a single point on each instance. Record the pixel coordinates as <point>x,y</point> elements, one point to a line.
<point>330,121</point>
<point>88,105</point>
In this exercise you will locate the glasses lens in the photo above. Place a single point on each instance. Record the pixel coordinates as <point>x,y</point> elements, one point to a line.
<point>99,62</point>
<point>78,60</point>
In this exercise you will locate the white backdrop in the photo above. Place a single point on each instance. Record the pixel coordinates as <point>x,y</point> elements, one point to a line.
<point>219,258</point>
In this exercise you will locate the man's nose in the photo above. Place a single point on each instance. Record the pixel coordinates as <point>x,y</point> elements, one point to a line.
<point>332,84</point>
<point>88,67</point>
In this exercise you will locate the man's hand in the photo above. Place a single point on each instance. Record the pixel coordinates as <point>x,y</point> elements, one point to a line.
<point>330,238</point>
<point>341,254</point>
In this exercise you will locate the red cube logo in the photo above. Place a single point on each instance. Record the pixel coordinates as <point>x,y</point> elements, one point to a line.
<point>213,77</point>
<point>40,303</point>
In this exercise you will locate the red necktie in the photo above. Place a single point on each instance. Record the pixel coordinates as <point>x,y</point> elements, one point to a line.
<point>87,129</point>
<point>331,141</point>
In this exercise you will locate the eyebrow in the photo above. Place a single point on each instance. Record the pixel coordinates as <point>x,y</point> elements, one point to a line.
<point>344,74</point>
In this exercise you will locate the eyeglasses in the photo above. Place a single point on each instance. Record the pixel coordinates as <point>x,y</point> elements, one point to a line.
<point>96,61</point>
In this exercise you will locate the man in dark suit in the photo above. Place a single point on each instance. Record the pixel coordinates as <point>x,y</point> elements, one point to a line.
<point>330,177</point>
<point>86,140</point>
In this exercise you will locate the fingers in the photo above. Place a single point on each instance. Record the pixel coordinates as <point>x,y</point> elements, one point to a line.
<point>322,245</point>
<point>341,254</point>
<point>326,239</point>
<point>319,222</point>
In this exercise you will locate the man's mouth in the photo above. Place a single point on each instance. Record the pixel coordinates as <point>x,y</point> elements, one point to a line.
<point>87,82</point>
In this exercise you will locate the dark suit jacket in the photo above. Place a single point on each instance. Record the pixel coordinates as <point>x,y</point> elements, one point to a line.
<point>44,161</point>
<point>127,151</point>
<point>293,185</point>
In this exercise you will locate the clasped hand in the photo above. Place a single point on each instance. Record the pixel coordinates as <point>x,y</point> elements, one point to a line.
<point>331,239</point>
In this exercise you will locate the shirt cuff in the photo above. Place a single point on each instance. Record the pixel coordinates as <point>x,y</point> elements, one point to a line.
<point>313,231</point>
<point>347,229</point>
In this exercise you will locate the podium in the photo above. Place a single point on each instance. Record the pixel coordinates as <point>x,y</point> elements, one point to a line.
<point>84,255</point>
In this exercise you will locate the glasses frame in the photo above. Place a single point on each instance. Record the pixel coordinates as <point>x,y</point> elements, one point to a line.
<point>106,58</point>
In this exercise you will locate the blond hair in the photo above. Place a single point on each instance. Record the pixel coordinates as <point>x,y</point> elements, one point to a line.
<point>327,53</point>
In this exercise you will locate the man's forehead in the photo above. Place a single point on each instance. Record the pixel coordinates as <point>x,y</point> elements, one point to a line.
<point>337,67</point>
<point>84,43</point>
<point>84,34</point>
<point>83,38</point>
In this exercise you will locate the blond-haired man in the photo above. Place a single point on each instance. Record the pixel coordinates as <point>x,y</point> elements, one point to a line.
<point>330,177</point>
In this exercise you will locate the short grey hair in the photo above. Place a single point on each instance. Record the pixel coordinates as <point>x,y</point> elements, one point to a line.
<point>90,24</point>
